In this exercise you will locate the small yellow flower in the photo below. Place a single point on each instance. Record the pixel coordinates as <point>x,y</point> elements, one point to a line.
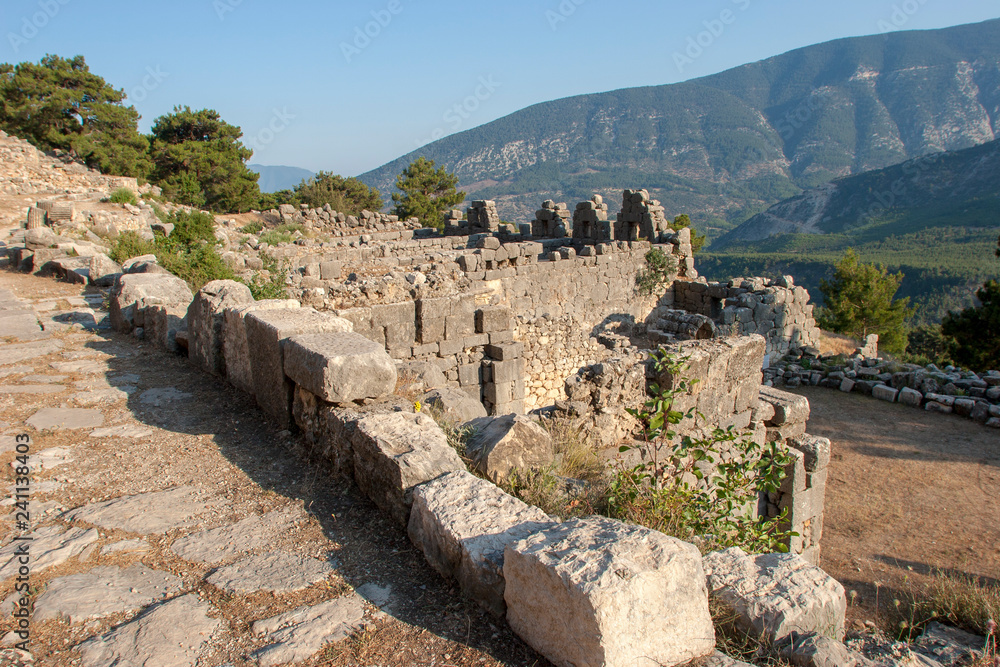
<point>416,406</point>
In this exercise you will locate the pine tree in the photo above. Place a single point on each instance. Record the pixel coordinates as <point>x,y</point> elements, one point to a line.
<point>426,192</point>
<point>59,104</point>
<point>199,161</point>
<point>976,330</point>
<point>682,221</point>
<point>859,301</point>
<point>345,195</point>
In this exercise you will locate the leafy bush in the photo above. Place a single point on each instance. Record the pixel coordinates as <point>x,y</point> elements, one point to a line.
<point>129,245</point>
<point>660,270</point>
<point>253,228</point>
<point>730,471</point>
<point>345,195</point>
<point>271,287</point>
<point>123,196</point>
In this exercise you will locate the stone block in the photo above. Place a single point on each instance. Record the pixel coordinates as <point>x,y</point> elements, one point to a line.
<point>508,371</point>
<point>339,367</point>
<point>599,592</point>
<point>788,408</point>
<point>455,405</point>
<point>504,445</point>
<point>235,349</point>
<point>505,351</point>
<point>774,595</point>
<point>815,450</point>
<point>267,331</point>
<point>205,317</point>
<point>103,270</point>
<point>884,393</point>
<point>457,327</point>
<point>910,397</point>
<point>431,330</point>
<point>497,318</point>
<point>133,292</point>
<point>499,394</point>
<point>462,524</point>
<point>394,453</point>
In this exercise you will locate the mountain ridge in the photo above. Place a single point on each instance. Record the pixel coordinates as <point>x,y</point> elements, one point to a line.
<point>726,146</point>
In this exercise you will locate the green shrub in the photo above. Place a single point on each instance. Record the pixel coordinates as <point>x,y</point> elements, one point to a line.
<point>123,196</point>
<point>129,245</point>
<point>272,287</point>
<point>660,270</point>
<point>253,228</point>
<point>273,237</point>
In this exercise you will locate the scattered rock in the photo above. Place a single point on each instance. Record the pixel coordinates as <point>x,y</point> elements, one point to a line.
<point>503,445</point>
<point>455,405</point>
<point>228,543</point>
<point>48,546</point>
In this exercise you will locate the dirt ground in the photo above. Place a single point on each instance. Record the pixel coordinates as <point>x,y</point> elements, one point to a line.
<point>908,492</point>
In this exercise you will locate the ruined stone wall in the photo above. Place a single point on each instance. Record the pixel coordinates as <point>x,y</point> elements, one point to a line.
<point>777,310</point>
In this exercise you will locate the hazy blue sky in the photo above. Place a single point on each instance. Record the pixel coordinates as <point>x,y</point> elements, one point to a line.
<point>309,91</point>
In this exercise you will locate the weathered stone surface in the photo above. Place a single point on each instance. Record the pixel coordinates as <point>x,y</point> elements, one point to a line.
<point>462,524</point>
<point>503,445</point>
<point>816,451</point>
<point>161,397</point>
<point>454,404</point>
<point>276,572</point>
<point>168,635</point>
<point>718,659</point>
<point>949,646</point>
<point>31,389</point>
<point>20,324</point>
<point>884,393</point>
<point>910,397</point>
<point>235,348</point>
<point>228,543</point>
<point>267,331</point>
<point>47,458</point>
<point>104,591</point>
<point>395,452</point>
<point>134,292</point>
<point>299,634</point>
<point>339,367</point>
<point>126,547</point>
<point>49,546</point>
<point>788,408</point>
<point>423,372</point>
<point>122,431</point>
<point>103,270</point>
<point>205,317</point>
<point>21,352</point>
<point>776,594</point>
<point>813,650</point>
<point>65,418</point>
<point>600,592</point>
<point>148,513</point>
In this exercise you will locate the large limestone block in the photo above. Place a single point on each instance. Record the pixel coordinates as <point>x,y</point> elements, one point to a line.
<point>103,270</point>
<point>454,404</point>
<point>267,331</point>
<point>395,452</point>
<point>205,317</point>
<point>339,367</point>
<point>135,292</point>
<point>788,408</point>
<point>503,445</point>
<point>774,595</point>
<point>599,592</point>
<point>462,524</point>
<point>235,349</point>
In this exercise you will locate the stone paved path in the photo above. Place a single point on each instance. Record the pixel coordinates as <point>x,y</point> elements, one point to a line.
<point>171,525</point>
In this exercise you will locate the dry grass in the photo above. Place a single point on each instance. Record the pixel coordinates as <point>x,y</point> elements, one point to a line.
<point>834,343</point>
<point>957,600</point>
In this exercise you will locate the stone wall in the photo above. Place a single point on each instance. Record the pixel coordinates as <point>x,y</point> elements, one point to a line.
<point>777,310</point>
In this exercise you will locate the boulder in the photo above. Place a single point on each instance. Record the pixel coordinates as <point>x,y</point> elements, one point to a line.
<point>600,592</point>
<point>454,405</point>
<point>204,318</point>
<point>235,349</point>
<point>774,595</point>
<point>103,270</point>
<point>813,650</point>
<point>816,451</point>
<point>910,397</point>
<point>267,331</point>
<point>788,408</point>
<point>502,445</point>
<point>462,524</point>
<point>424,373</point>
<point>142,264</point>
<point>395,452</point>
<point>134,292</point>
<point>339,367</point>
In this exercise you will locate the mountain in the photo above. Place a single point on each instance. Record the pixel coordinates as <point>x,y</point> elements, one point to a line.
<point>935,218</point>
<point>725,147</point>
<point>273,179</point>
<point>955,188</point>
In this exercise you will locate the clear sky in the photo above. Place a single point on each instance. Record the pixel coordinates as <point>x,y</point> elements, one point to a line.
<point>311,89</point>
